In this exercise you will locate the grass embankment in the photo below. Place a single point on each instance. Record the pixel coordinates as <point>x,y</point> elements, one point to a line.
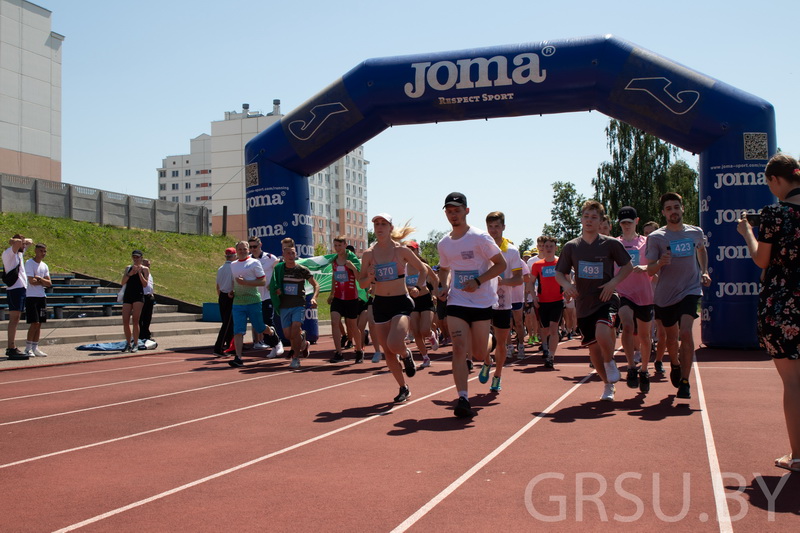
<point>184,266</point>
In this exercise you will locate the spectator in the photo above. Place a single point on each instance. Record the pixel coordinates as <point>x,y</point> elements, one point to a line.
<point>147,309</point>
<point>15,290</point>
<point>777,250</point>
<point>134,281</point>
<point>225,299</point>
<point>38,275</point>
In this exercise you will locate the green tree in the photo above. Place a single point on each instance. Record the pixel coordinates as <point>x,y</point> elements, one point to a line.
<point>429,248</point>
<point>320,249</point>
<point>566,222</point>
<point>640,171</point>
<point>370,237</point>
<point>526,244</point>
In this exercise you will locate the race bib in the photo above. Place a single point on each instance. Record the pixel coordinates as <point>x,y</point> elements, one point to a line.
<point>411,281</point>
<point>340,276</point>
<point>682,248</point>
<point>386,271</point>
<point>290,289</point>
<point>590,270</point>
<point>460,277</point>
<point>635,257</point>
<point>549,271</point>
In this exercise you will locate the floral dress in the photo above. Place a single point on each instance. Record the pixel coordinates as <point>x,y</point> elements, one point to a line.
<point>779,302</point>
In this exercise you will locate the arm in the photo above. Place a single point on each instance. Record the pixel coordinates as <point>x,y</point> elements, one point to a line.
<point>610,286</point>
<point>367,271</point>
<point>497,268</point>
<point>759,251</point>
<point>702,260</point>
<point>514,280</point>
<point>313,282</point>
<point>570,291</point>
<point>444,281</point>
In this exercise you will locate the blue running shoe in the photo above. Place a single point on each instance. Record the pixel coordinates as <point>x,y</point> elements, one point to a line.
<point>495,385</point>
<point>483,377</point>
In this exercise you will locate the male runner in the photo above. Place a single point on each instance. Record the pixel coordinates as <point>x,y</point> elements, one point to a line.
<point>593,257</point>
<point>678,254</point>
<point>268,262</point>
<point>548,298</point>
<point>469,262</point>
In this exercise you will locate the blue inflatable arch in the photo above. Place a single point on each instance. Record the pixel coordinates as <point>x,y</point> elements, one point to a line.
<point>734,133</point>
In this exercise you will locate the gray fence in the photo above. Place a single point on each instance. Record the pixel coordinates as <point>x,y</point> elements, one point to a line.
<point>54,199</point>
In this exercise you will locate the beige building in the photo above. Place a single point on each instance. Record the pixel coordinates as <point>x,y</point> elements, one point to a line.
<point>30,92</point>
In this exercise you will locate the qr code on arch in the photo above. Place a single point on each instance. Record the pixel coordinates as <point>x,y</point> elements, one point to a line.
<point>755,146</point>
<point>251,175</point>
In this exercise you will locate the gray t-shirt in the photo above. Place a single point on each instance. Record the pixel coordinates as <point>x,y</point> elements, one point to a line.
<point>680,278</point>
<point>594,266</point>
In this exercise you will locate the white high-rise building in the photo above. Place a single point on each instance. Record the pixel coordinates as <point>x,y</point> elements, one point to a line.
<point>30,92</point>
<point>213,175</point>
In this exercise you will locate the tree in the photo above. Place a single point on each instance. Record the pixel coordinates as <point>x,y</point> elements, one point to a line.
<point>566,222</point>
<point>320,249</point>
<point>429,248</point>
<point>640,171</point>
<point>526,244</point>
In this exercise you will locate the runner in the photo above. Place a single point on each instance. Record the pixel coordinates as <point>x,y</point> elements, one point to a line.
<point>518,311</point>
<point>469,263</point>
<point>419,287</point>
<point>678,254</point>
<point>344,302</point>
<point>248,275</point>
<point>288,293</point>
<point>502,310</point>
<point>593,256</point>
<point>385,264</point>
<point>636,302</point>
<point>268,262</point>
<point>548,299</point>
<point>658,343</point>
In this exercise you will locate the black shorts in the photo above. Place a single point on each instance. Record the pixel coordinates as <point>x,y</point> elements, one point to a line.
<point>550,312</point>
<point>132,297</point>
<point>267,310</point>
<point>671,315</point>
<point>441,309</point>
<point>423,303</point>
<point>16,299</point>
<point>36,309</point>
<point>605,315</point>
<point>470,314</point>
<point>346,308</point>
<point>384,308</point>
<point>640,312</point>
<point>501,318</point>
<point>516,306</point>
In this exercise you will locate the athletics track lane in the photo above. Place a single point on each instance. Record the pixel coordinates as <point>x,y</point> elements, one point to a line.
<point>377,474</point>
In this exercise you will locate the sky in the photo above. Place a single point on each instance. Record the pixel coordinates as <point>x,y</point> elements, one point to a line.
<point>139,80</point>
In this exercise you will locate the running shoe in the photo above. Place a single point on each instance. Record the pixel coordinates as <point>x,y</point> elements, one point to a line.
<point>276,351</point>
<point>376,358</point>
<point>426,362</point>
<point>434,342</point>
<point>530,341</point>
<point>608,392</point>
<point>38,353</point>
<point>520,350</point>
<point>644,382</point>
<point>337,358</point>
<point>548,363</point>
<point>632,379</point>
<point>134,347</point>
<point>659,367</point>
<point>470,365</point>
<point>612,372</point>
<point>304,351</point>
<point>359,356</point>
<point>569,335</point>
<point>343,341</point>
<point>675,375</point>
<point>259,346</point>
<point>295,363</point>
<point>684,389</point>
<point>637,356</point>
<point>127,348</point>
<point>546,354</point>
<point>495,386</point>
<point>483,377</point>
<point>404,395</point>
<point>408,363</point>
<point>236,363</point>
<point>464,409</point>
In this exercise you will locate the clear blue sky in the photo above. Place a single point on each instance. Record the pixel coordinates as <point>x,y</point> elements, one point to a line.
<point>141,79</point>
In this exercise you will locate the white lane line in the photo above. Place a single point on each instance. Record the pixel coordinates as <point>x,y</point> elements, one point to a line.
<point>257,460</point>
<point>425,509</point>
<point>59,376</point>
<point>184,423</point>
<point>721,502</point>
<point>748,368</point>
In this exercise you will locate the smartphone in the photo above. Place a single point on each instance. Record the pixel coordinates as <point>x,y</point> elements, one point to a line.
<point>754,219</point>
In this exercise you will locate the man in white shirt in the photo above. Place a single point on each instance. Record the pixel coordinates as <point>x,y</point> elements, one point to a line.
<point>268,262</point>
<point>15,290</point>
<point>38,275</point>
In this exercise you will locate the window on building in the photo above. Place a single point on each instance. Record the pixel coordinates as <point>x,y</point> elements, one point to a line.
<point>175,186</point>
<point>162,173</point>
<point>174,173</point>
<point>347,216</point>
<point>162,198</point>
<point>187,198</point>
<point>187,185</point>
<point>175,199</point>
<point>187,172</point>
<point>162,187</point>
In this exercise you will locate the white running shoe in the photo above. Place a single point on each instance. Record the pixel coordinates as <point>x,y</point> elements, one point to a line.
<point>637,356</point>
<point>426,362</point>
<point>434,342</point>
<point>612,372</point>
<point>608,392</point>
<point>276,351</point>
<point>259,346</point>
<point>38,353</point>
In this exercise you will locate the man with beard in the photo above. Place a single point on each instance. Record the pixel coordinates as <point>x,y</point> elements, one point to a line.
<point>677,253</point>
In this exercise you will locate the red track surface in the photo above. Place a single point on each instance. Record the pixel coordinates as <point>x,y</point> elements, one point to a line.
<point>182,442</point>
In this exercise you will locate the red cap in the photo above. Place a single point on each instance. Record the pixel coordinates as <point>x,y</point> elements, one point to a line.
<point>230,251</point>
<point>412,244</point>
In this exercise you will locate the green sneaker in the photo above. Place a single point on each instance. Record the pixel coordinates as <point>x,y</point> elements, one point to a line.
<point>495,385</point>
<point>483,377</point>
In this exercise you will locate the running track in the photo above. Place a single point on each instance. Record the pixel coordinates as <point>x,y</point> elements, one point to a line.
<point>179,441</point>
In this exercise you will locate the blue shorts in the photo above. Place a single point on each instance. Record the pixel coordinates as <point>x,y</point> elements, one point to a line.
<point>240,315</point>
<point>16,299</point>
<point>291,315</point>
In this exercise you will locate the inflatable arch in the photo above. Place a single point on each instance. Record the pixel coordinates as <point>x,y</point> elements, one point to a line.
<point>734,133</point>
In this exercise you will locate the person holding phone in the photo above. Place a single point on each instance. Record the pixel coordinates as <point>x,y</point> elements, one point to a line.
<point>777,251</point>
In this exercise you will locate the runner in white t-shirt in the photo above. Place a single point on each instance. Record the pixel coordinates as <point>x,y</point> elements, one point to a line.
<point>469,263</point>
<point>268,262</point>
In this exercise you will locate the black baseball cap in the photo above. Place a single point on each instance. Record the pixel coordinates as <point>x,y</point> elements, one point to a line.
<point>627,214</point>
<point>455,198</point>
